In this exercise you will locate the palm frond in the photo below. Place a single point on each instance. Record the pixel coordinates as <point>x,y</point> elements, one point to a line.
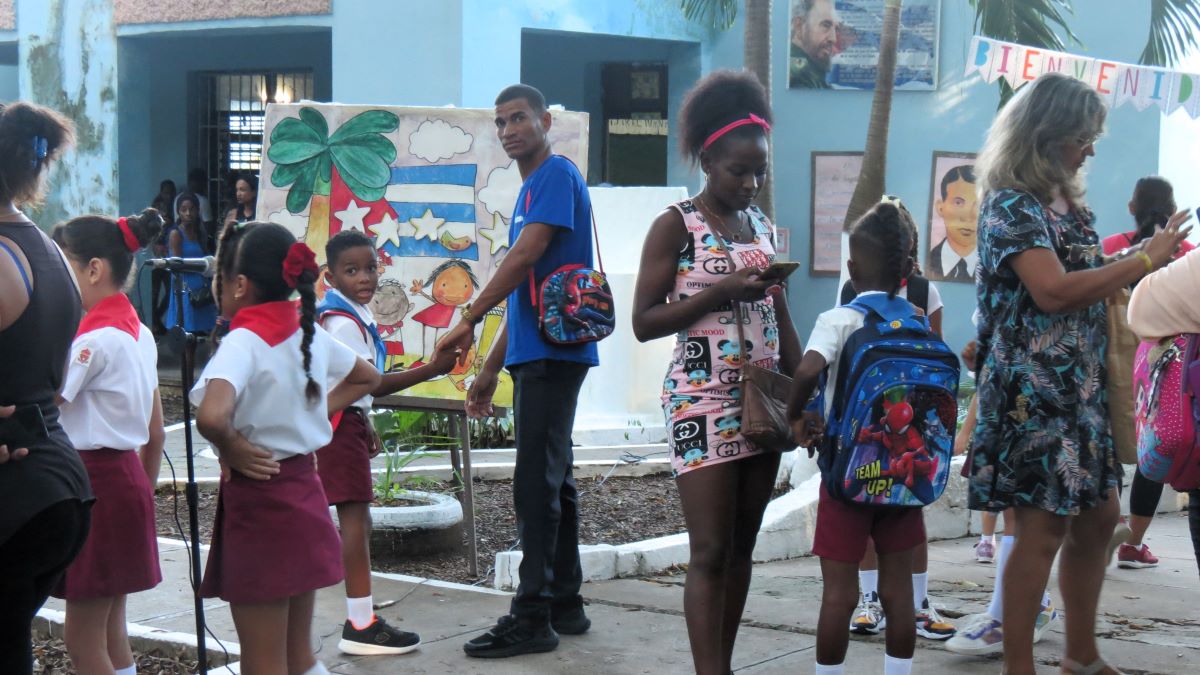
<point>1173,28</point>
<point>716,14</point>
<point>1035,23</point>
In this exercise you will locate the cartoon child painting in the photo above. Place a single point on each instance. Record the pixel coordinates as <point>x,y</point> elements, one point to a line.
<point>390,305</point>
<point>450,285</point>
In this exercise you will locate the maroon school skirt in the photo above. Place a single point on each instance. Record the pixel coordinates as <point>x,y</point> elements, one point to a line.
<point>345,464</point>
<point>272,539</point>
<point>120,555</point>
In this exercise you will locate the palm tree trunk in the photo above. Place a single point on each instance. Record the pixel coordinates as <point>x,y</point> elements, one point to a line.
<point>757,58</point>
<point>871,178</point>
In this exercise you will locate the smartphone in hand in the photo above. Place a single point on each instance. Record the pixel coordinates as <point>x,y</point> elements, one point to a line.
<point>779,271</point>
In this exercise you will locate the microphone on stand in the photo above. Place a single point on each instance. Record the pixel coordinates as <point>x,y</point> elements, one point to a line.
<point>205,266</point>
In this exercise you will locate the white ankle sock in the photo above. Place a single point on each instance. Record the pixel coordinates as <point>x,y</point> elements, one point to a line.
<point>360,611</point>
<point>895,666</point>
<point>996,608</point>
<point>988,538</point>
<point>1045,598</point>
<point>317,669</point>
<point>868,581</point>
<point>830,670</point>
<point>920,583</point>
<point>131,670</point>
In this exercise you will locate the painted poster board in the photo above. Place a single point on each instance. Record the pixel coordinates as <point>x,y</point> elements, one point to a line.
<point>835,45</point>
<point>953,219</point>
<point>834,175</point>
<point>433,190</point>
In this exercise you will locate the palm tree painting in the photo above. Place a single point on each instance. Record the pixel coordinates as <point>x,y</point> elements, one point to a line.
<point>311,162</point>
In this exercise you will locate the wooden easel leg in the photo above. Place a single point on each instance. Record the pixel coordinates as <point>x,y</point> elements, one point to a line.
<point>468,498</point>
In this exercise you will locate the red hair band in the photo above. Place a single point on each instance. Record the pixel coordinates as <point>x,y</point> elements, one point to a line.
<point>751,119</point>
<point>131,242</point>
<point>300,259</point>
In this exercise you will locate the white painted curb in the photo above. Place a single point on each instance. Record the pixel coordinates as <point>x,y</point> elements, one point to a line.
<point>440,511</point>
<point>787,532</point>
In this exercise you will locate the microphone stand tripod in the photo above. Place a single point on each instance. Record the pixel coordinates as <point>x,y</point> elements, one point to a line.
<point>187,358</point>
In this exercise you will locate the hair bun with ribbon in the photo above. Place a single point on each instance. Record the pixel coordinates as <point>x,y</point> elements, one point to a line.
<point>300,259</point>
<point>131,240</point>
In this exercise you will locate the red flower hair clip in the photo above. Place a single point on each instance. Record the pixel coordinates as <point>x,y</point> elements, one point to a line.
<point>300,259</point>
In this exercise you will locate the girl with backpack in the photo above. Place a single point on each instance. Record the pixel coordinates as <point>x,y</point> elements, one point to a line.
<point>1163,305</point>
<point>1043,442</point>
<point>879,263</point>
<point>1152,204</point>
<point>868,616</point>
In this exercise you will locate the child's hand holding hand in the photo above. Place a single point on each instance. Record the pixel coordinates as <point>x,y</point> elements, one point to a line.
<point>444,360</point>
<point>807,429</point>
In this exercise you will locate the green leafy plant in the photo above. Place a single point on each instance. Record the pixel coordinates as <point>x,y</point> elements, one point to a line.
<point>404,442</point>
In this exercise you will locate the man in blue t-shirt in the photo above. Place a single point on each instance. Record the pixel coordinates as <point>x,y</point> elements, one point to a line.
<point>551,227</point>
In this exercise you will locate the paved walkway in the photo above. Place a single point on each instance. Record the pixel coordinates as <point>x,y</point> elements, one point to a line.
<point>1150,619</point>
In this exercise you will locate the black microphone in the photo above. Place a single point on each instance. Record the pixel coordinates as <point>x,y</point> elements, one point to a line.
<point>205,266</point>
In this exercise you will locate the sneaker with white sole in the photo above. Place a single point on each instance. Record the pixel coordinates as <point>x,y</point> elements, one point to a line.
<point>1135,558</point>
<point>931,625</point>
<point>1044,619</point>
<point>1121,534</point>
<point>378,639</point>
<point>985,551</point>
<point>868,618</point>
<point>978,634</point>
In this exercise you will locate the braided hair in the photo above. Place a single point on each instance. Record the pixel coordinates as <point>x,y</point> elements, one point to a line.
<point>89,237</point>
<point>880,243</point>
<point>259,256</point>
<point>227,247</point>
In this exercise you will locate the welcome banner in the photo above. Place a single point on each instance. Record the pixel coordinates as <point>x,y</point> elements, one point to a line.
<point>1117,83</point>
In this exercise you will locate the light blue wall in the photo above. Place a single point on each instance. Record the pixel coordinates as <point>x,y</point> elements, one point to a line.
<point>492,55</point>
<point>953,118</point>
<point>400,52</point>
<point>159,123</point>
<point>572,78</point>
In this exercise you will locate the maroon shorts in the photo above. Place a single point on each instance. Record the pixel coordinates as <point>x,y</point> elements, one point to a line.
<point>345,464</point>
<point>843,529</point>
<point>120,555</point>
<point>272,539</point>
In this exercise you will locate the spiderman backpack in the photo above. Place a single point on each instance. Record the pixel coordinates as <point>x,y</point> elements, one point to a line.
<point>890,434</point>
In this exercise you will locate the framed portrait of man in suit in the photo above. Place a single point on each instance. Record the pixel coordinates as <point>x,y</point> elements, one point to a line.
<point>953,219</point>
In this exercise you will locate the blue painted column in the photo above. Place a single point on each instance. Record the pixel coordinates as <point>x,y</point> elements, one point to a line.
<point>68,61</point>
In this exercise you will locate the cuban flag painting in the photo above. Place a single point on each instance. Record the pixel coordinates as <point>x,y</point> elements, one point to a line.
<point>434,207</point>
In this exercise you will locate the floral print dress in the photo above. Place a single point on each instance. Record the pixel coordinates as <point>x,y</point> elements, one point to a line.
<point>1043,438</point>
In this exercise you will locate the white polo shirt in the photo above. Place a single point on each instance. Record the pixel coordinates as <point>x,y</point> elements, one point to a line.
<point>347,331</point>
<point>261,358</point>
<point>108,389</point>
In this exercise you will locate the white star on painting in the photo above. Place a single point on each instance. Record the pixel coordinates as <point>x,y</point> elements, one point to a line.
<point>497,234</point>
<point>426,226</point>
<point>387,229</point>
<point>352,217</point>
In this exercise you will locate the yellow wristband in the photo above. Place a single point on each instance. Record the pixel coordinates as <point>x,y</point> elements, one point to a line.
<point>1145,258</point>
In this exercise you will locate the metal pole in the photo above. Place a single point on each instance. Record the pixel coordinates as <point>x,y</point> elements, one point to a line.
<point>468,497</point>
<point>187,358</point>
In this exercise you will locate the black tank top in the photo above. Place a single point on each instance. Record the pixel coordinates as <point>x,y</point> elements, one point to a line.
<point>33,356</point>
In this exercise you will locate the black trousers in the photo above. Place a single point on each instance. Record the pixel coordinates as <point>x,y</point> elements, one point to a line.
<point>31,563</point>
<point>544,396</point>
<point>1144,495</point>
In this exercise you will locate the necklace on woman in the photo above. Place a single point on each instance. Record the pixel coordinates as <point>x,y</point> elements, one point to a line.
<point>741,236</point>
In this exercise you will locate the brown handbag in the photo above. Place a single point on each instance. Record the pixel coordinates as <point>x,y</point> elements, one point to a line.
<point>764,392</point>
<point>1118,360</point>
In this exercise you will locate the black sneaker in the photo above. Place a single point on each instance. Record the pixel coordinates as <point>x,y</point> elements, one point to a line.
<point>377,639</point>
<point>572,621</point>
<point>512,637</point>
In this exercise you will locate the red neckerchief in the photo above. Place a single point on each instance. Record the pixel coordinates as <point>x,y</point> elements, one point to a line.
<point>115,311</point>
<point>274,322</point>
